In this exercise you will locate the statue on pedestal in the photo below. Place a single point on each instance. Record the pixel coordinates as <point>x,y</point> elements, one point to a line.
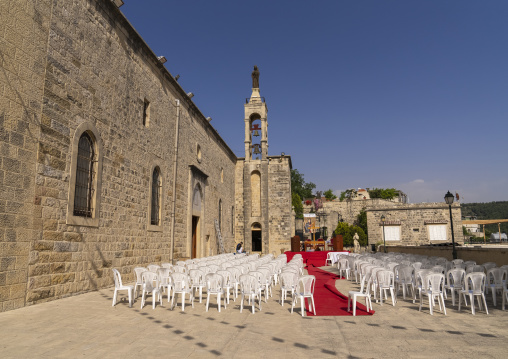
<point>255,78</point>
<point>356,243</point>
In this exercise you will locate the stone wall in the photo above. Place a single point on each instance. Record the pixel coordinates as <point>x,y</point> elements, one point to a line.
<point>279,204</point>
<point>414,221</point>
<point>24,35</point>
<point>68,66</point>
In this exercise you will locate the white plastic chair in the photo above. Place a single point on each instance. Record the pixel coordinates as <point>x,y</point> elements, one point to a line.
<point>119,286</point>
<point>404,278</point>
<point>214,287</point>
<point>227,283</point>
<point>329,258</point>
<point>495,278</point>
<point>181,286</point>
<point>433,285</point>
<point>344,268</point>
<point>139,281</point>
<point>353,296</point>
<point>148,287</point>
<point>305,289</point>
<point>455,282</point>
<point>474,285</point>
<point>385,282</point>
<point>249,287</point>
<point>288,282</point>
<point>164,277</point>
<point>197,281</point>
<point>489,265</point>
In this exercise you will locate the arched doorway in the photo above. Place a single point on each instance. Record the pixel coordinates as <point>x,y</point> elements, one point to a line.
<point>196,213</point>
<point>257,243</point>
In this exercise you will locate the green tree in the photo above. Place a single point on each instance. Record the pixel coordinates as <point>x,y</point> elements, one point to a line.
<point>361,221</point>
<point>329,195</point>
<point>347,194</point>
<point>344,230</point>
<point>384,193</point>
<point>299,186</point>
<point>297,204</point>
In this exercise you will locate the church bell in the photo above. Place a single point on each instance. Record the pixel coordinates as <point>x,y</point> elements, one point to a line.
<point>257,151</point>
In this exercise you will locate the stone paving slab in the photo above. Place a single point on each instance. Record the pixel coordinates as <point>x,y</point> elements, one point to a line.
<point>88,326</point>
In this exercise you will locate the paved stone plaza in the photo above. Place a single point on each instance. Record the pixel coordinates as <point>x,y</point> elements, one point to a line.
<point>87,325</point>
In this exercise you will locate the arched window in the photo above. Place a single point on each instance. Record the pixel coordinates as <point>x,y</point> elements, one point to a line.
<point>156,196</point>
<point>85,173</point>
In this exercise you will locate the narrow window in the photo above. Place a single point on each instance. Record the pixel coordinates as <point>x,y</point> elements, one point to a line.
<point>83,192</point>
<point>156,191</point>
<point>220,214</point>
<point>146,113</point>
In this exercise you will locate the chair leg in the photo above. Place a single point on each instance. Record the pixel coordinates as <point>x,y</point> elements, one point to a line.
<point>241,302</point>
<point>114,297</point>
<point>207,300</point>
<point>302,299</point>
<point>485,302</point>
<point>130,297</point>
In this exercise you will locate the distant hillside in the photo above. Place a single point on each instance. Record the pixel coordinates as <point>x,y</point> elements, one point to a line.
<point>491,210</point>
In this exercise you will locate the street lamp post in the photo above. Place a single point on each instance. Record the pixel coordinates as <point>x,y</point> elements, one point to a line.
<point>449,200</point>
<point>384,239</point>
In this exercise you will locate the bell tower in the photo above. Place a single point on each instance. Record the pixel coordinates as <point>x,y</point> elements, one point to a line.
<point>263,186</point>
<point>256,125</point>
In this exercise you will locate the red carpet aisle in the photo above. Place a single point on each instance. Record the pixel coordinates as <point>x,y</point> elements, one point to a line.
<point>329,301</point>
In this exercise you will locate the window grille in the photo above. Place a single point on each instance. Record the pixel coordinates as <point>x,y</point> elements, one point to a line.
<point>156,190</point>
<point>85,175</point>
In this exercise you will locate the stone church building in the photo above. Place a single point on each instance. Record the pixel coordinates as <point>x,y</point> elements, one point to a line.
<point>107,163</point>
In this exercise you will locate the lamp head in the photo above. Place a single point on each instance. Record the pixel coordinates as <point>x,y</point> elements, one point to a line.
<point>383,218</point>
<point>448,198</point>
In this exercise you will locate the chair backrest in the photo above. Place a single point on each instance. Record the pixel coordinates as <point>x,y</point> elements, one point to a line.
<point>420,276</point>
<point>179,269</point>
<point>213,268</point>
<point>214,282</point>
<point>489,265</point>
<point>167,265</point>
<point>456,277</point>
<point>148,279</point>
<point>153,267</point>
<point>475,281</point>
<point>226,276</point>
<point>138,271</point>
<point>417,265</point>
<point>405,273</point>
<point>434,282</point>
<point>260,276</point>
<point>306,284</point>
<point>469,263</point>
<point>196,277</point>
<point>384,277</point>
<point>475,268</point>
<point>117,277</point>
<point>457,261</point>
<point>496,276</point>
<point>343,264</point>
<point>459,266</point>
<point>164,276</point>
<point>180,281</point>
<point>438,269</point>
<point>288,279</point>
<point>181,263</point>
<point>248,284</point>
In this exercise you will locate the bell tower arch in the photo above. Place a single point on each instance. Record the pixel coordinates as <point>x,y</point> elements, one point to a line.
<point>256,125</point>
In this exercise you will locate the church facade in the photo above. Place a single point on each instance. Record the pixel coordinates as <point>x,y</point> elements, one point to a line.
<point>107,163</point>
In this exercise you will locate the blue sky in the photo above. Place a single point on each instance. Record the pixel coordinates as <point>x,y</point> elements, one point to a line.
<point>404,94</point>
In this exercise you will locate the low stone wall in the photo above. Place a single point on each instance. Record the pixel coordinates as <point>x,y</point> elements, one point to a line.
<point>479,255</point>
